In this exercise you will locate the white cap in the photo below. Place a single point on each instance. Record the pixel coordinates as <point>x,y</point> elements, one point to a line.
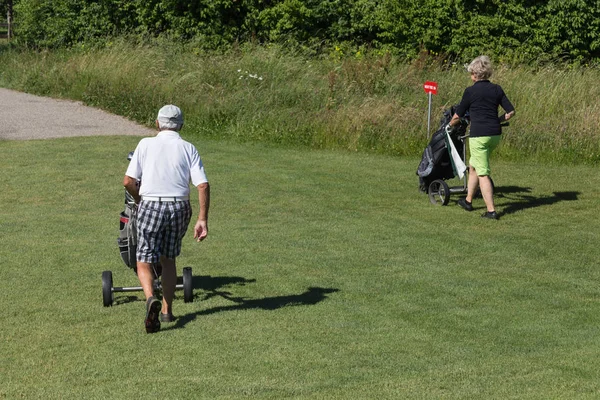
<point>170,116</point>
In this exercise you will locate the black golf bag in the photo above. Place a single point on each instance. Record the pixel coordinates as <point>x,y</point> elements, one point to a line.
<point>436,162</point>
<point>127,239</point>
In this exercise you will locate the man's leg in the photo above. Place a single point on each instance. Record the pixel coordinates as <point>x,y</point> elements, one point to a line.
<point>169,281</point>
<point>180,218</point>
<point>147,231</point>
<point>146,277</point>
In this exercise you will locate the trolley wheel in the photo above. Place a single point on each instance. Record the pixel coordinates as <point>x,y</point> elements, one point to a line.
<point>188,289</point>
<point>107,286</point>
<point>439,192</point>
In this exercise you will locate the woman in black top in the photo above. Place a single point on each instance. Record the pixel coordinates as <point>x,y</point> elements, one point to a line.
<point>482,101</point>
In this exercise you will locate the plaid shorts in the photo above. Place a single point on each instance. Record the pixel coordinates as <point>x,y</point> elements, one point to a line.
<point>160,228</point>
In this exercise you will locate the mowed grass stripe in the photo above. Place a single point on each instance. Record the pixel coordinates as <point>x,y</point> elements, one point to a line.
<point>326,275</point>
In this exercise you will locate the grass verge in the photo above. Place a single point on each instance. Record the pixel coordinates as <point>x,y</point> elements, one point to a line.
<point>372,103</point>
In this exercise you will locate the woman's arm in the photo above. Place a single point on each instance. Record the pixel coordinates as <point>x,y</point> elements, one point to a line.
<point>455,120</point>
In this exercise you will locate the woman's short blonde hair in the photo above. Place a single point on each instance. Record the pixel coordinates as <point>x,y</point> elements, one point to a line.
<point>481,67</point>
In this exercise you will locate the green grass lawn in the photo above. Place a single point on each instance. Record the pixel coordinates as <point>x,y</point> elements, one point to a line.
<point>326,275</point>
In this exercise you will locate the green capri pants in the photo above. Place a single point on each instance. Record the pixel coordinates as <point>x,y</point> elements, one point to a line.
<point>481,147</point>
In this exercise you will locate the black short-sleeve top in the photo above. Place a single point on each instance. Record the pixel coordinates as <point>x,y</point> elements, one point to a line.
<point>481,101</point>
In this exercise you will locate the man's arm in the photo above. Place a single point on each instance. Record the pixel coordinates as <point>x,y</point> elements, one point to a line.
<point>132,186</point>
<point>201,227</point>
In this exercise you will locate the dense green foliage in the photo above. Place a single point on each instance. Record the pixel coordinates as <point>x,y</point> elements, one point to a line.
<point>508,29</point>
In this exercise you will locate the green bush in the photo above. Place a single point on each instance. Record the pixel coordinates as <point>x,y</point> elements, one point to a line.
<point>512,30</point>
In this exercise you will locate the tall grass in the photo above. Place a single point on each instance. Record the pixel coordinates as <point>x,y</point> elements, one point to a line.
<point>369,103</point>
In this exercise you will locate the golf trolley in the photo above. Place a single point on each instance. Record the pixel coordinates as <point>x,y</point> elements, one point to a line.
<point>442,159</point>
<point>127,242</point>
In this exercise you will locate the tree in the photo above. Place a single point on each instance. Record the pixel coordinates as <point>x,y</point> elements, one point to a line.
<point>7,7</point>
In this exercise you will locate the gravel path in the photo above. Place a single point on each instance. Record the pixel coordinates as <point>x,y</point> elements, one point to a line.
<point>25,116</point>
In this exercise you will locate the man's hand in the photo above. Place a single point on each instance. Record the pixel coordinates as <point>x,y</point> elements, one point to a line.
<point>133,187</point>
<point>201,227</point>
<point>200,230</point>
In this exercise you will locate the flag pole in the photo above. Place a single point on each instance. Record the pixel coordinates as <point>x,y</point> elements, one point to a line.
<point>429,117</point>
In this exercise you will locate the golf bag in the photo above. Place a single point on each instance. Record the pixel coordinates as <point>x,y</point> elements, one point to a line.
<point>436,162</point>
<point>127,239</point>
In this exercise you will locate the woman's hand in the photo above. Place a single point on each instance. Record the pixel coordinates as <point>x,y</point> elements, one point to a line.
<point>455,120</point>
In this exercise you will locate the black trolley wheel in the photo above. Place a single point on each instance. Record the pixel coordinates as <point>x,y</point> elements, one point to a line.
<point>188,289</point>
<point>107,288</point>
<point>439,193</point>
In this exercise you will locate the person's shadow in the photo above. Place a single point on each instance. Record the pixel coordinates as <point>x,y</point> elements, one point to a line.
<point>521,200</point>
<point>216,286</point>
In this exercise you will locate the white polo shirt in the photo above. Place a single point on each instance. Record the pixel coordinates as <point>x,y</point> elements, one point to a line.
<point>166,164</point>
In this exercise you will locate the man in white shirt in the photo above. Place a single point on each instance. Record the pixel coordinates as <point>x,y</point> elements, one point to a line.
<point>158,178</point>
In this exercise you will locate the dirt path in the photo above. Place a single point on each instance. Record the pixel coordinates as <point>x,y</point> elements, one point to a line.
<point>24,116</point>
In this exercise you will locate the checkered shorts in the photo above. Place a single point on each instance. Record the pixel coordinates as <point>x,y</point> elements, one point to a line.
<point>160,228</point>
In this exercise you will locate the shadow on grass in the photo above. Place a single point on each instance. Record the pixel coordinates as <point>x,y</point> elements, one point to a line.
<point>523,201</point>
<point>501,191</point>
<point>213,283</point>
<point>215,287</point>
<point>206,283</point>
<point>207,287</point>
<point>125,299</point>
